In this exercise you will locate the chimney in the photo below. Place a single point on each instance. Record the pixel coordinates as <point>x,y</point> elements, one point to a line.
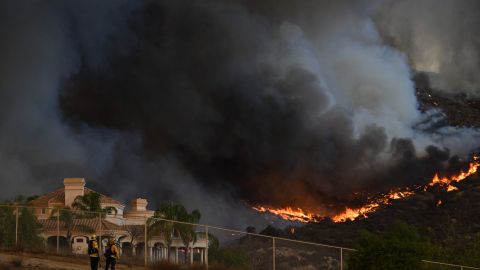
<point>139,205</point>
<point>73,187</point>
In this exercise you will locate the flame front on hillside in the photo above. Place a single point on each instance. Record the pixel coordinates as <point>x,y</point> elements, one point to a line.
<point>298,214</point>
<point>288,213</point>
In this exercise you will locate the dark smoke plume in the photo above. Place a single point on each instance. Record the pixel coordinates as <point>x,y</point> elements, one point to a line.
<point>212,103</point>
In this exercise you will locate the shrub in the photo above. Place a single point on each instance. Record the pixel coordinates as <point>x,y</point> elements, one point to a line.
<point>402,248</point>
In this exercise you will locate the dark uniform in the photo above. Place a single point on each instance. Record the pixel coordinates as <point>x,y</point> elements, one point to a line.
<point>93,253</point>
<point>111,255</point>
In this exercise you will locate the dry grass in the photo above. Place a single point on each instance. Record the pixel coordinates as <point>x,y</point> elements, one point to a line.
<point>17,262</point>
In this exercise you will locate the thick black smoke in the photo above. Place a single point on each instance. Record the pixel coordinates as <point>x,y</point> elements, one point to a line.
<point>212,103</point>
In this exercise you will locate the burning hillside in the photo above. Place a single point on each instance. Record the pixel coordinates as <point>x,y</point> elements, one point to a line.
<point>372,204</point>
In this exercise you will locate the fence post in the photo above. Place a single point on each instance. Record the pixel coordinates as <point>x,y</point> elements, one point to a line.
<point>273,252</point>
<point>341,258</point>
<point>58,231</point>
<point>145,244</point>
<point>206,247</point>
<point>100,232</point>
<point>16,226</point>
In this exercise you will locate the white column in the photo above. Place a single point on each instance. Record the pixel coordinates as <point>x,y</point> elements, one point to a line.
<point>201,255</point>
<point>191,255</point>
<point>134,250</point>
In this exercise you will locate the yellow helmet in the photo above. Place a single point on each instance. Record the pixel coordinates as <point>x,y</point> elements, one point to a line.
<point>111,241</point>
<point>93,237</point>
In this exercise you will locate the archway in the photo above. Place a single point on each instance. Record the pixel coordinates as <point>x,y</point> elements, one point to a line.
<point>127,249</point>
<point>63,244</point>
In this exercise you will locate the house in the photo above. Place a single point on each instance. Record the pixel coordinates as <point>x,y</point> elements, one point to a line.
<point>126,225</point>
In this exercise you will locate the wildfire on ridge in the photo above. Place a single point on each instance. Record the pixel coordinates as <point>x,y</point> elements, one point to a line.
<point>288,213</point>
<point>298,214</point>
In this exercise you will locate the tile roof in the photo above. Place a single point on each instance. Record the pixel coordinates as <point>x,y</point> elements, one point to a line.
<point>103,198</point>
<point>58,197</point>
<point>80,225</point>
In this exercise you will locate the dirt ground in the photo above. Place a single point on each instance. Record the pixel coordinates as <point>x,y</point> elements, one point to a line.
<point>42,261</point>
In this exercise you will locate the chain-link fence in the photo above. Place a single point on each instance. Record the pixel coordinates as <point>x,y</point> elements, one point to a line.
<point>144,240</point>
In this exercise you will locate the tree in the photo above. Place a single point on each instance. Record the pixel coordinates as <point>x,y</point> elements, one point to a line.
<point>187,231</point>
<point>83,207</point>
<point>90,205</point>
<point>175,212</point>
<point>28,226</point>
<point>29,230</point>
<point>134,231</point>
<point>401,248</point>
<point>7,226</point>
<point>67,217</point>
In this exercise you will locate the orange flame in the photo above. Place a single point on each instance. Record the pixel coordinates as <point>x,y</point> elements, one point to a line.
<point>288,213</point>
<point>351,214</point>
<point>446,182</point>
<point>298,214</point>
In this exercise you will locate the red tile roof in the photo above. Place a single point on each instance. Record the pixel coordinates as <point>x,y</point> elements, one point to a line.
<point>80,225</point>
<point>58,197</point>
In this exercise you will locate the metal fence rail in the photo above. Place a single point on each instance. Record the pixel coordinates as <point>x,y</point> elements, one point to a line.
<point>461,267</point>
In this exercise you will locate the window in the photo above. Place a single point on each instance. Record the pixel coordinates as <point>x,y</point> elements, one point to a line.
<point>43,211</point>
<point>79,240</point>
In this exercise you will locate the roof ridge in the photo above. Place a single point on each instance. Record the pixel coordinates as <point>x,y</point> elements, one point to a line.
<point>48,196</point>
<point>112,200</point>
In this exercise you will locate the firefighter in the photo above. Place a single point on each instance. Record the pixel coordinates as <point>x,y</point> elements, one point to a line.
<point>93,252</point>
<point>111,254</point>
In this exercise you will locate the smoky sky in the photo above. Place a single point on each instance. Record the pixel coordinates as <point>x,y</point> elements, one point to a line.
<point>216,104</point>
<point>441,38</point>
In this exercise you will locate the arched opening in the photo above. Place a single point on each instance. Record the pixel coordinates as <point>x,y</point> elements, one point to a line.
<point>139,249</point>
<point>62,241</point>
<point>127,249</point>
<point>159,252</point>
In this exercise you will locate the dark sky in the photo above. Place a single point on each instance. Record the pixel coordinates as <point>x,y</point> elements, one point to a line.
<point>217,103</point>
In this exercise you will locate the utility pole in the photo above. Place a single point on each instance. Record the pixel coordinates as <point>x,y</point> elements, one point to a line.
<point>58,231</point>
<point>341,258</point>
<point>206,245</point>
<point>145,243</point>
<point>16,226</point>
<point>100,232</point>
<point>273,252</point>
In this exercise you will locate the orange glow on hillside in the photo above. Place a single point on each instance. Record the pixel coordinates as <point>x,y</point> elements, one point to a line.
<point>298,214</point>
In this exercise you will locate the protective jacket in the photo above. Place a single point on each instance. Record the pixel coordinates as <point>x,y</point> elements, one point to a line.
<point>93,248</point>
<point>112,252</point>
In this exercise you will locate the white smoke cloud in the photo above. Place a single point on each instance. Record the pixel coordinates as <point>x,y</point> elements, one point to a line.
<point>438,37</point>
